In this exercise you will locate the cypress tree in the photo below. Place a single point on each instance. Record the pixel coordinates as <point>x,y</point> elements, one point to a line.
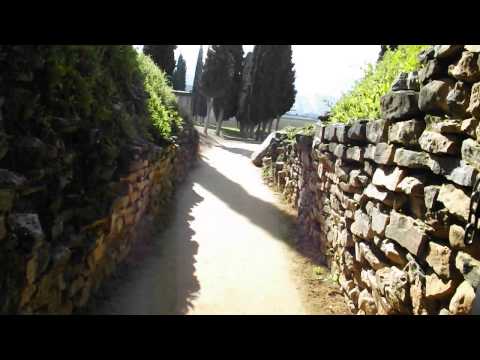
<point>217,76</point>
<point>163,56</point>
<point>285,82</point>
<point>227,106</point>
<point>178,79</point>
<point>199,102</point>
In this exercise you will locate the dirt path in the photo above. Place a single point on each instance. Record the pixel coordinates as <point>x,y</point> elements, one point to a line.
<point>226,250</point>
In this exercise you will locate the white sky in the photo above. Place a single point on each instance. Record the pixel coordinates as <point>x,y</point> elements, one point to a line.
<point>321,70</point>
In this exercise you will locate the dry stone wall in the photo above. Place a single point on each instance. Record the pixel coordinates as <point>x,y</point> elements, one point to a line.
<point>59,278</point>
<point>386,202</point>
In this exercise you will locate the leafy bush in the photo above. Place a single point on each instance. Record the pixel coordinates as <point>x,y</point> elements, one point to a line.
<point>161,102</point>
<point>363,101</point>
<point>291,131</point>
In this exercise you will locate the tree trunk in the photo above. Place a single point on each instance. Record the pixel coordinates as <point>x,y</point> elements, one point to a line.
<point>270,123</point>
<point>209,109</point>
<point>219,122</point>
<point>278,122</point>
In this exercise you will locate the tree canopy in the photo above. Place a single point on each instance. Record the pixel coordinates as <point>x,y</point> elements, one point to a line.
<point>199,103</point>
<point>178,78</point>
<point>163,56</point>
<point>218,72</point>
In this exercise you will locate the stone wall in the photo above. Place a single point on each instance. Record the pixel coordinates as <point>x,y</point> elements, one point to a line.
<point>184,100</point>
<point>386,201</point>
<point>46,277</point>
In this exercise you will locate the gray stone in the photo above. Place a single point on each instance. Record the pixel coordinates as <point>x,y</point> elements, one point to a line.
<point>340,151</point>
<point>467,68</point>
<point>474,107</point>
<point>406,132</point>
<point>400,83</point>
<point>354,153</point>
<point>379,221</point>
<point>463,299</point>
<point>412,159</point>
<point>438,257</point>
<point>447,126</point>
<point>370,257</point>
<point>417,206</point>
<point>407,232</point>
<point>469,127</point>
<point>433,97</point>
<point>388,177</point>
<point>319,130</point>
<point>436,143</point>
<point>28,230</point>
<point>455,200</point>
<point>329,133</point>
<point>366,303</point>
<point>471,152</point>
<point>369,152</point>
<point>436,288</point>
<point>389,198</point>
<point>447,51</point>
<point>263,150</point>
<point>361,227</point>
<point>456,236</point>
<point>458,100</point>
<point>341,131</point>
<point>393,253</point>
<point>357,131</point>
<point>392,283</point>
<point>469,267</point>
<point>384,154</point>
<point>377,131</point>
<point>431,194</point>
<point>399,105</point>
<point>454,170</point>
<point>411,185</point>
<point>332,146</point>
<point>433,69</point>
<point>368,168</point>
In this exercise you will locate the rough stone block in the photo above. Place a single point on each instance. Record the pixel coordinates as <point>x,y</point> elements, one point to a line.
<point>463,300</point>
<point>469,267</point>
<point>456,236</point>
<point>389,198</point>
<point>377,131</point>
<point>433,97</point>
<point>357,131</point>
<point>407,232</point>
<point>438,257</point>
<point>436,143</point>
<point>471,152</point>
<point>389,178</point>
<point>455,200</point>
<point>362,227</point>
<point>436,288</point>
<point>458,100</point>
<point>474,106</point>
<point>399,105</point>
<point>384,154</point>
<point>406,132</point>
<point>467,68</point>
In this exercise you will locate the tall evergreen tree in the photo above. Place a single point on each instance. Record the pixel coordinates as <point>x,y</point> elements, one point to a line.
<point>178,79</point>
<point>227,106</point>
<point>244,98</point>
<point>217,76</point>
<point>163,56</point>
<point>199,102</point>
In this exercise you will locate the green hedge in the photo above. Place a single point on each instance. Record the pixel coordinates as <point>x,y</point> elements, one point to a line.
<point>363,101</point>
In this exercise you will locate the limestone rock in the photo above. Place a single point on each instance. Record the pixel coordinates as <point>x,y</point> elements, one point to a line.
<point>467,68</point>
<point>433,69</point>
<point>433,97</point>
<point>399,105</point>
<point>412,159</point>
<point>377,131</point>
<point>474,107</point>
<point>469,127</point>
<point>390,199</point>
<point>354,153</point>
<point>471,152</point>
<point>370,257</point>
<point>426,54</point>
<point>384,154</point>
<point>436,143</point>
<point>411,185</point>
<point>393,285</point>
<point>462,302</point>
<point>264,149</point>
<point>458,100</point>
<point>455,200</point>
<point>357,131</point>
<point>329,133</point>
<point>456,236</point>
<point>447,51</point>
<point>438,258</point>
<point>447,126</point>
<point>406,81</point>
<point>436,288</point>
<point>406,132</point>
<point>388,177</point>
<point>340,151</point>
<point>341,131</point>
<point>366,303</point>
<point>393,253</point>
<point>369,152</point>
<point>407,232</point>
<point>379,221</point>
<point>469,267</point>
<point>361,227</point>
